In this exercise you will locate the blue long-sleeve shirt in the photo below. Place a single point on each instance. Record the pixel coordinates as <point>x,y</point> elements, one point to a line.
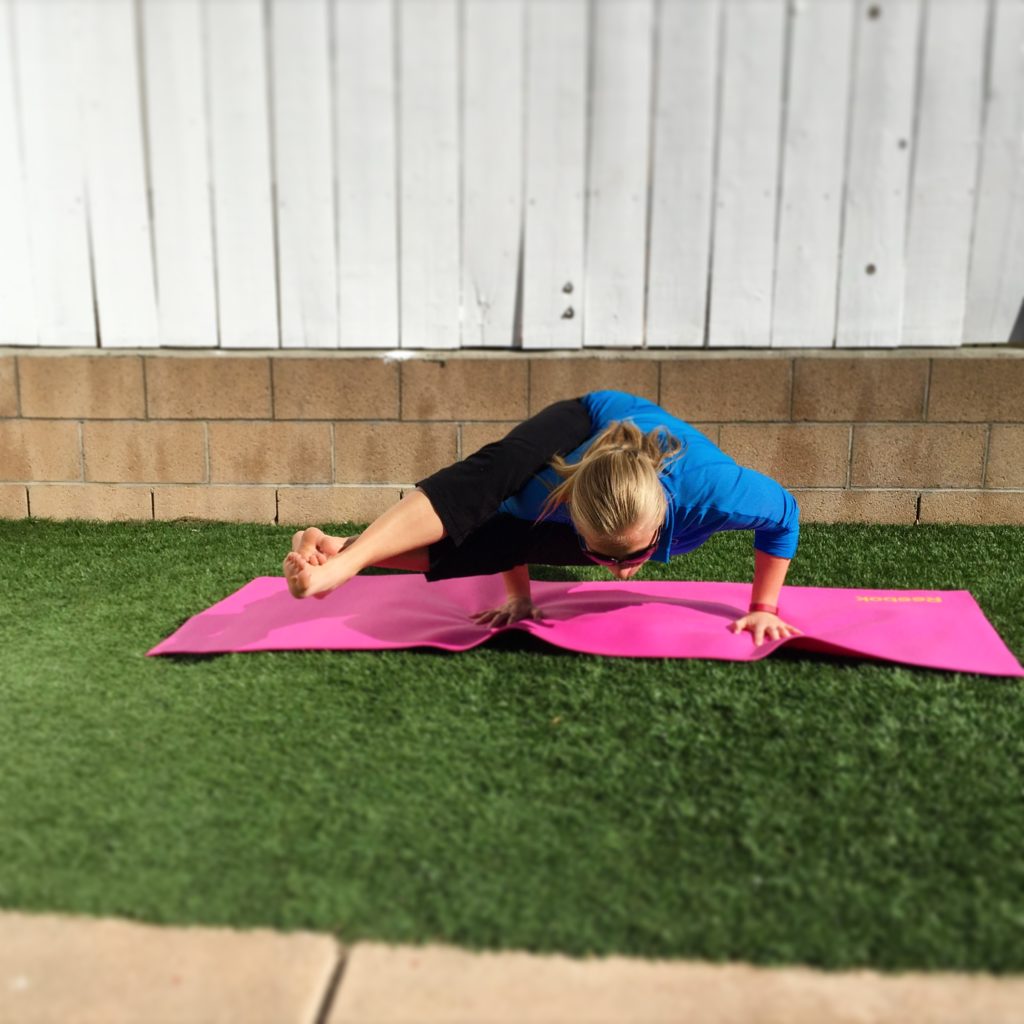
<point>706,490</point>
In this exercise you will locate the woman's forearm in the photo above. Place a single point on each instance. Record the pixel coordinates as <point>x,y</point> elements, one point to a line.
<point>517,581</point>
<point>769,575</point>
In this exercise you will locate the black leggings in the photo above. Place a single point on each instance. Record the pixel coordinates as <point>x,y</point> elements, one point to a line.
<point>502,543</point>
<point>478,539</point>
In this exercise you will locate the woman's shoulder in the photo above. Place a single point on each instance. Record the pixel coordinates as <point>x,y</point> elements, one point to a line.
<point>607,405</point>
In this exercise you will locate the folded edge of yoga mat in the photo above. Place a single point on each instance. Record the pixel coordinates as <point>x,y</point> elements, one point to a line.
<point>944,629</point>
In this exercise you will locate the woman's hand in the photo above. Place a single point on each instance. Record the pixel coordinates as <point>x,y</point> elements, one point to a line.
<point>763,624</point>
<point>514,609</point>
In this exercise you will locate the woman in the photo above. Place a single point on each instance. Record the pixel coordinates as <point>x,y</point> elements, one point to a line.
<point>608,478</point>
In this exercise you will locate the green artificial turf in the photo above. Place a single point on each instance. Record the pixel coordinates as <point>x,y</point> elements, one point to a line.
<point>794,809</point>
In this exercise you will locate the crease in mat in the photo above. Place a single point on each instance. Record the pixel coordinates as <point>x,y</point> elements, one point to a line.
<point>942,629</point>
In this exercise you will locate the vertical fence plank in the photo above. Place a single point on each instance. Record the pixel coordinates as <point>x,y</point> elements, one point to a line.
<point>616,235</point>
<point>49,39</point>
<point>995,291</point>
<point>175,81</point>
<point>872,272</point>
<point>240,141</point>
<point>683,173</point>
<point>429,174</point>
<point>366,131</point>
<point>556,99</point>
<point>492,169</point>
<point>17,287</point>
<point>305,179</point>
<point>949,113</point>
<point>743,256</point>
<point>807,269</point>
<point>116,175</point>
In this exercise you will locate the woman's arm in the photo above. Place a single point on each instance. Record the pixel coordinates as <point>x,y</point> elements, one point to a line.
<point>518,606</point>
<point>769,575</point>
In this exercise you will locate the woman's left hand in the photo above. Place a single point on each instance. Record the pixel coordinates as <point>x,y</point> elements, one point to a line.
<point>763,624</point>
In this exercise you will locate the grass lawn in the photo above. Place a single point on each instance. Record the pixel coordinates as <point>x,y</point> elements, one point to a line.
<point>795,809</point>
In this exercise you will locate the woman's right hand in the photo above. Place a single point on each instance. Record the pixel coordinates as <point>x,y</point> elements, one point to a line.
<point>514,609</point>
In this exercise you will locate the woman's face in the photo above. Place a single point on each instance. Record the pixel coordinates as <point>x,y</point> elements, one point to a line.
<point>634,546</point>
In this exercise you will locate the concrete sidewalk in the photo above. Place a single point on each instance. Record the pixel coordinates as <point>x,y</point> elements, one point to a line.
<point>86,971</point>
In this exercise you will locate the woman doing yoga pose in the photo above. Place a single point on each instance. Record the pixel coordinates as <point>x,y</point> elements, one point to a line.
<point>608,478</point>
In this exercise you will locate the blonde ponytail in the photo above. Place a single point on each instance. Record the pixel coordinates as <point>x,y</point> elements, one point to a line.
<point>615,485</point>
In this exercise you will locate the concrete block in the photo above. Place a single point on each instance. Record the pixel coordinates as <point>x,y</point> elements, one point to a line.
<point>40,450</point>
<point>106,502</point>
<point>221,504</point>
<point>334,389</point>
<point>81,386</point>
<point>715,389</point>
<point>13,501</point>
<point>208,387</point>
<point>391,453</point>
<point>976,390</point>
<point>551,380</point>
<point>8,387</point>
<point>1005,456</point>
<point>273,453</point>
<point>859,390</point>
<point>979,508</point>
<point>712,431</point>
<point>464,389</point>
<point>435,984</point>
<point>795,455</point>
<point>73,969</point>
<point>144,451</point>
<point>852,506</point>
<point>314,506</point>
<point>926,455</point>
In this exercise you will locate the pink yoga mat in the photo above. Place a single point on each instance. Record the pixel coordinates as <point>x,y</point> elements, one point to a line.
<point>649,619</point>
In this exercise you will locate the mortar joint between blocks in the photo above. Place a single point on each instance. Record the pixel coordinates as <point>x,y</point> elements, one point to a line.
<point>145,389</point>
<point>984,457</point>
<point>17,385</point>
<point>331,991</point>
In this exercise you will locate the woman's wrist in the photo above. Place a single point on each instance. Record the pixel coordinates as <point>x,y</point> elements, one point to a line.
<point>763,606</point>
<point>517,583</point>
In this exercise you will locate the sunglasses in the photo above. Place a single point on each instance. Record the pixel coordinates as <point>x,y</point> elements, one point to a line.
<point>627,561</point>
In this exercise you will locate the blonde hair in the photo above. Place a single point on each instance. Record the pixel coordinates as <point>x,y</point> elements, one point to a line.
<point>615,485</point>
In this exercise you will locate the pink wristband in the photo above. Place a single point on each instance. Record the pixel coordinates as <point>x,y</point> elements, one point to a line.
<point>757,606</point>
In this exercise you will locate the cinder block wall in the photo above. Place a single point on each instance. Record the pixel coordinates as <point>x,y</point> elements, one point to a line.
<point>296,438</point>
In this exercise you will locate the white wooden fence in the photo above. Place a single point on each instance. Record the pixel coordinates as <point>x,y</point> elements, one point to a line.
<point>546,173</point>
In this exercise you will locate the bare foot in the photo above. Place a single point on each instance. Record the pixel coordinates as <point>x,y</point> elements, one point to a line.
<point>304,578</point>
<point>316,546</point>
<point>298,573</point>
